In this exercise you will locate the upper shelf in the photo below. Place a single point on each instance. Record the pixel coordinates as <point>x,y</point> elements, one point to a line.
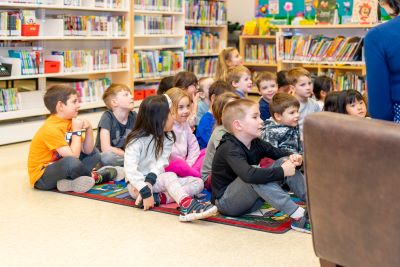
<point>61,38</point>
<point>327,26</point>
<point>139,12</point>
<point>86,8</point>
<point>206,26</point>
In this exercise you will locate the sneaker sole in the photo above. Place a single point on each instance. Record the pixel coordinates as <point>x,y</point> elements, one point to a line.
<point>81,184</point>
<point>120,172</point>
<point>198,216</point>
<point>301,230</point>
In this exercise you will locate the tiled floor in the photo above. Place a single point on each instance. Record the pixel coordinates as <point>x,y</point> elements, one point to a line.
<point>48,229</point>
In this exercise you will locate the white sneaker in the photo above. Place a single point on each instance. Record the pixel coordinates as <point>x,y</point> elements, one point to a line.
<point>81,184</point>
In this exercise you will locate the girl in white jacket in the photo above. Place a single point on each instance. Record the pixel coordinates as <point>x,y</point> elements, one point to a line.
<point>147,151</point>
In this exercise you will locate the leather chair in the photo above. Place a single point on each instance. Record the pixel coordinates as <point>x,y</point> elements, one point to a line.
<point>352,168</point>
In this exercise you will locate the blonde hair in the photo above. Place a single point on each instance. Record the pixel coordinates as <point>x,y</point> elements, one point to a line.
<point>219,104</point>
<point>112,91</point>
<point>264,76</point>
<point>236,73</point>
<point>294,75</point>
<point>222,65</point>
<point>235,110</point>
<point>176,94</point>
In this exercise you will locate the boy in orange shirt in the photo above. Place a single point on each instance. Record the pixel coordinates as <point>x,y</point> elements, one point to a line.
<point>59,156</point>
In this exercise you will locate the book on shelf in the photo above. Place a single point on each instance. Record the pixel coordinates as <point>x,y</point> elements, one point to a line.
<point>260,53</point>
<point>325,12</point>
<point>32,60</point>
<point>159,5</point>
<point>319,48</point>
<point>205,12</point>
<point>155,24</point>
<point>365,11</point>
<point>202,67</point>
<point>10,100</point>
<point>156,63</point>
<point>91,90</point>
<point>93,25</point>
<point>200,41</point>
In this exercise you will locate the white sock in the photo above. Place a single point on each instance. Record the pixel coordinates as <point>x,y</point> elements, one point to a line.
<point>298,213</point>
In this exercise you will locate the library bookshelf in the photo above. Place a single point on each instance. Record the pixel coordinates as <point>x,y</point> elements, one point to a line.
<point>85,55</point>
<point>206,36</point>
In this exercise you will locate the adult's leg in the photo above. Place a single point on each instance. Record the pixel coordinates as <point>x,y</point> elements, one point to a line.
<point>65,168</point>
<point>238,199</point>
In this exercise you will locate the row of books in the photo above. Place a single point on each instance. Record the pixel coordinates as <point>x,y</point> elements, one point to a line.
<point>154,24</point>
<point>94,25</point>
<point>11,21</point>
<point>260,53</point>
<point>156,63</point>
<point>199,41</point>
<point>348,81</point>
<point>202,67</point>
<point>205,12</point>
<point>74,3</point>
<point>322,48</point>
<point>158,5</point>
<point>91,90</point>
<point>32,60</point>
<point>10,100</point>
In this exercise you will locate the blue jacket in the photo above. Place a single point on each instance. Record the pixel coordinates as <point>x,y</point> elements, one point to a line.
<point>382,46</point>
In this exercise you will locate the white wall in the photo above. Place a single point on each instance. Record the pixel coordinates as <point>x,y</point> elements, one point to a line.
<point>240,10</point>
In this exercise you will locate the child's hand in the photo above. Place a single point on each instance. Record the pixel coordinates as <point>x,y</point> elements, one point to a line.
<point>86,124</point>
<point>288,168</point>
<point>296,159</point>
<point>148,203</point>
<point>77,124</point>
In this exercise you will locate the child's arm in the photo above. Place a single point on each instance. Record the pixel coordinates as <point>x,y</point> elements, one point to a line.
<point>75,147</point>
<point>88,143</point>
<point>163,161</point>
<point>105,143</point>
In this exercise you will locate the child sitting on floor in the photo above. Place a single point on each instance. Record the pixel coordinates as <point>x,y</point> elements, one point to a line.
<point>267,87</point>
<point>146,154</point>
<point>240,80</point>
<point>322,86</point>
<point>204,99</point>
<point>115,124</point>
<point>352,102</point>
<point>62,153</point>
<point>228,58</point>
<point>185,159</point>
<point>282,130</point>
<point>238,186</point>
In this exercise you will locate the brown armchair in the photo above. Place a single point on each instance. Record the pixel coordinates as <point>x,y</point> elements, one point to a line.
<point>352,168</point>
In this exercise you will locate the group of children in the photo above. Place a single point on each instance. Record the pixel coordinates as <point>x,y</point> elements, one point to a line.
<point>194,134</point>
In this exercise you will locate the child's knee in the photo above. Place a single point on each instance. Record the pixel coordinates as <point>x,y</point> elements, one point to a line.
<point>132,191</point>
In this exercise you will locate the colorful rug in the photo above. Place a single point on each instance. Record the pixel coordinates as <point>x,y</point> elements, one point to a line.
<point>266,219</point>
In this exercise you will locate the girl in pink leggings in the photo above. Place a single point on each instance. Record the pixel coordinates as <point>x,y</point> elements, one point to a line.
<point>186,158</point>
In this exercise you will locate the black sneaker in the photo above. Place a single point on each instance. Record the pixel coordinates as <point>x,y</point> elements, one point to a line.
<point>303,224</point>
<point>109,173</point>
<point>197,211</point>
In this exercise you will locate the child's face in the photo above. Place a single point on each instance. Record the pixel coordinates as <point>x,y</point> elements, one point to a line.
<point>268,89</point>
<point>183,111</point>
<point>123,99</point>
<point>70,109</point>
<point>303,88</point>
<point>234,59</point>
<point>245,83</point>
<point>289,117</point>
<point>205,86</point>
<point>192,90</point>
<point>357,108</point>
<point>169,123</point>
<point>252,124</point>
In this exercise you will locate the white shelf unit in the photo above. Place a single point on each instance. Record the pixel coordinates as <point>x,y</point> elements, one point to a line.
<point>158,41</point>
<point>21,125</point>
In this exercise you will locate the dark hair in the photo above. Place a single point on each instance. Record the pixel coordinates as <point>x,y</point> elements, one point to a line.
<point>322,83</point>
<point>348,97</point>
<point>280,102</point>
<point>219,87</point>
<point>151,118</point>
<point>331,101</point>
<point>184,79</point>
<point>219,104</point>
<point>395,5</point>
<point>56,93</point>
<point>282,78</point>
<point>166,83</point>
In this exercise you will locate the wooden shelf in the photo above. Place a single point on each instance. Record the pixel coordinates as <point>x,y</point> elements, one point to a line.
<point>153,47</point>
<point>326,63</point>
<point>158,36</point>
<point>155,79</point>
<point>62,7</point>
<point>265,37</point>
<point>323,26</point>
<point>156,12</point>
<point>206,26</point>
<point>256,64</point>
<point>22,77</point>
<point>202,55</point>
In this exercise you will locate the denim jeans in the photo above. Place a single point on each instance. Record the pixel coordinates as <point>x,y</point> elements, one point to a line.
<point>68,168</point>
<point>240,198</point>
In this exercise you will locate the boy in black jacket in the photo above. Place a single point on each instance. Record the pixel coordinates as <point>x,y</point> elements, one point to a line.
<point>237,186</point>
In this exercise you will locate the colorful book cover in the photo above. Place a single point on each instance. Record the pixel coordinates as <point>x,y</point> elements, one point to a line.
<point>365,11</point>
<point>325,11</point>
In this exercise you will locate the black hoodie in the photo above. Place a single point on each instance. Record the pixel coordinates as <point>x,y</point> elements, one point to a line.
<point>233,159</point>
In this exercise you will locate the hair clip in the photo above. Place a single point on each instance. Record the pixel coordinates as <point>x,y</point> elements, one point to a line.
<point>168,100</point>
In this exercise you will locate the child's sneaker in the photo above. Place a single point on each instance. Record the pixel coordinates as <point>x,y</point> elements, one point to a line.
<point>302,225</point>
<point>197,211</point>
<point>81,184</point>
<point>109,173</point>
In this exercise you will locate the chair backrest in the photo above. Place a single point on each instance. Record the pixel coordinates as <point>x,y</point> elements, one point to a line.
<point>352,168</point>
